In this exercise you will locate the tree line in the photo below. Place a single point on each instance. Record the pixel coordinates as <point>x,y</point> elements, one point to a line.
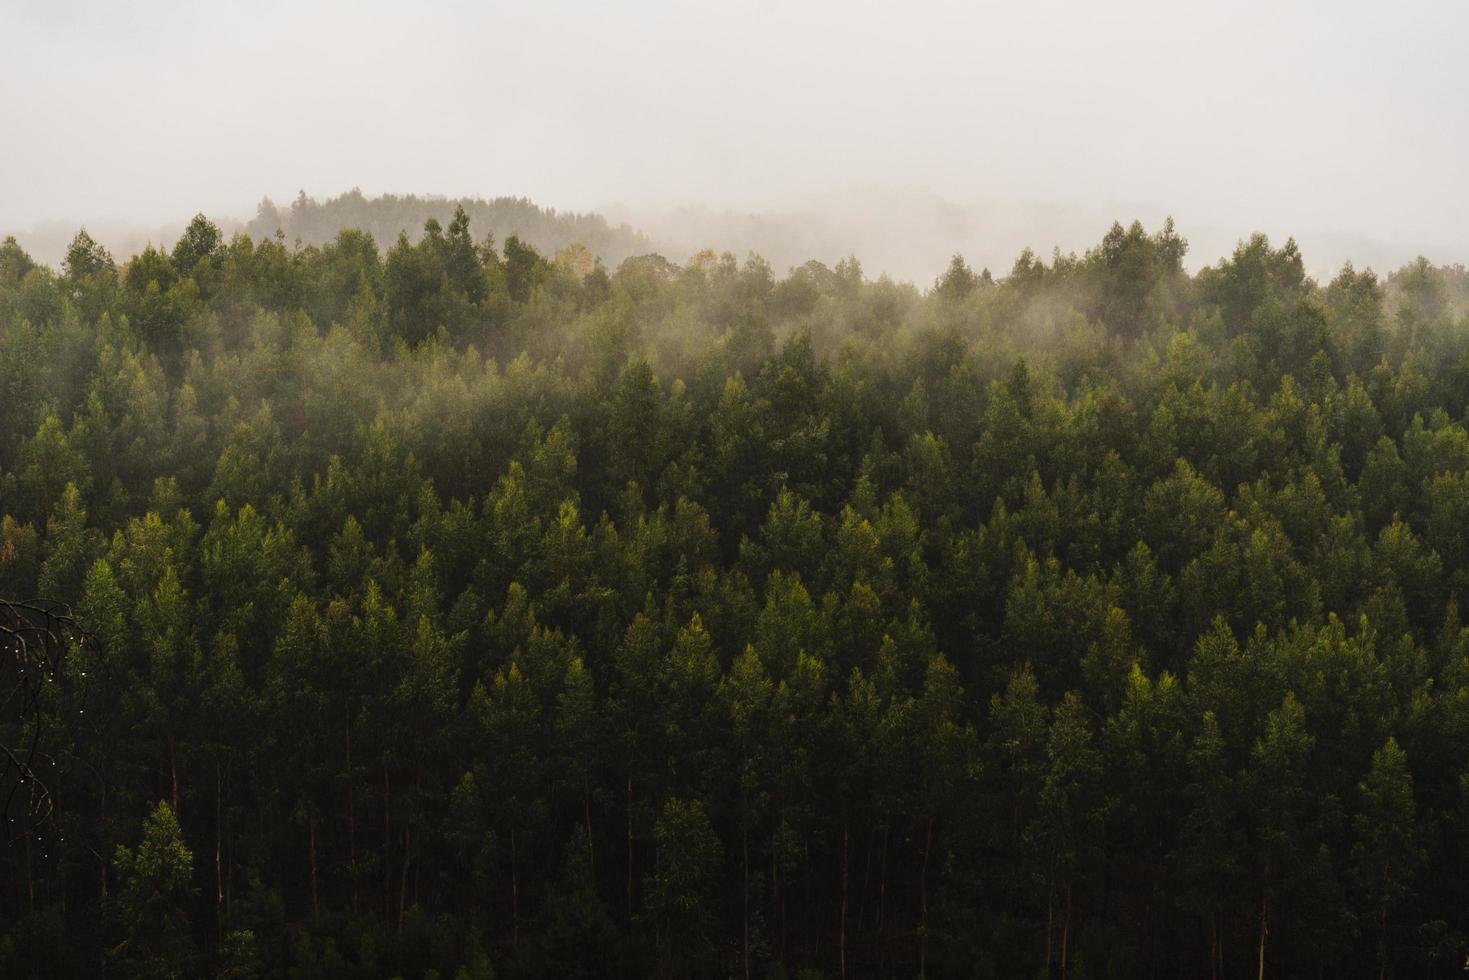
<point>312,222</point>
<point>459,610</point>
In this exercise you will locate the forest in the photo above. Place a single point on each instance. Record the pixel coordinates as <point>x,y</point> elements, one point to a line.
<point>433,605</point>
<point>310,222</point>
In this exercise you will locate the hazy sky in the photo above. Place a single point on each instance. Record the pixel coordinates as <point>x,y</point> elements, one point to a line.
<point>1339,117</point>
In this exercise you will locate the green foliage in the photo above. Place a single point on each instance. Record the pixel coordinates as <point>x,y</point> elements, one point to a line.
<point>199,243</point>
<point>476,605</point>
<point>153,900</point>
<point>681,894</point>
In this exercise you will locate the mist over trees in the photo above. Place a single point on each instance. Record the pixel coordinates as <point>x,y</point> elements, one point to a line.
<point>387,216</point>
<point>467,604</point>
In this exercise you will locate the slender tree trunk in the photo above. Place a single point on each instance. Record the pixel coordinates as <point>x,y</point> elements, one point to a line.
<point>923,902</point>
<point>218,847</point>
<point>882,885</point>
<point>629,848</point>
<point>1264,929</point>
<point>173,774</point>
<point>408,847</point>
<point>514,896</point>
<point>229,884</point>
<point>1213,945</point>
<point>866,878</point>
<point>1050,922</point>
<point>311,837</point>
<point>1066,930</point>
<point>30,880</point>
<point>591,848</point>
<point>1382,929</point>
<point>1219,931</point>
<point>229,879</point>
<point>351,819</point>
<point>780,894</point>
<point>403,874</point>
<point>102,822</point>
<point>842,933</point>
<point>777,904</point>
<point>387,851</point>
<point>777,907</point>
<point>745,869</point>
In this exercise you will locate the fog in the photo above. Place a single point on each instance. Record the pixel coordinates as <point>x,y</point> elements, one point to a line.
<point>900,133</point>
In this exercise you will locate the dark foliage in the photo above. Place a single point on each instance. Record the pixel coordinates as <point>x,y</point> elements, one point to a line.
<point>462,611</point>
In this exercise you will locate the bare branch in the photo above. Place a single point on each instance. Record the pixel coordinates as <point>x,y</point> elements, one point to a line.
<point>35,637</point>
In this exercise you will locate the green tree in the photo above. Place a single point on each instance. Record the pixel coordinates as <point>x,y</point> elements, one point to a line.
<point>1069,813</point>
<point>200,241</point>
<point>958,280</point>
<point>154,900</point>
<point>90,276</point>
<point>1387,855</point>
<point>1278,790</point>
<point>682,893</point>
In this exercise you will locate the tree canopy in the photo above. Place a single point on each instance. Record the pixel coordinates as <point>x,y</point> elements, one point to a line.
<point>463,605</point>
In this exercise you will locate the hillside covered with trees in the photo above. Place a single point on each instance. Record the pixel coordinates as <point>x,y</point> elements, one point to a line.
<point>457,608</point>
<point>310,222</point>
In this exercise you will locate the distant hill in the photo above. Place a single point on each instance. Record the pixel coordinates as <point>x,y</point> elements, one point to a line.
<point>317,222</point>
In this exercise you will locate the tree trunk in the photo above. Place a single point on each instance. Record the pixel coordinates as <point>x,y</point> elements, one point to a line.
<point>1264,929</point>
<point>1066,931</point>
<point>514,896</point>
<point>351,820</point>
<point>1213,945</point>
<point>1382,929</point>
<point>882,885</point>
<point>229,884</point>
<point>173,774</point>
<point>387,852</point>
<point>218,874</point>
<point>30,881</point>
<point>629,848</point>
<point>591,848</point>
<point>866,878</point>
<point>842,934</point>
<point>403,875</point>
<point>1050,922</point>
<point>229,879</point>
<point>408,847</point>
<point>745,869</point>
<point>923,902</point>
<point>778,887</point>
<point>1219,931</point>
<point>315,896</point>
<point>102,822</point>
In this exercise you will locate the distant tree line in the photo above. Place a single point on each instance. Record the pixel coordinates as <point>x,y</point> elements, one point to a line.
<point>385,217</point>
<point>465,609</point>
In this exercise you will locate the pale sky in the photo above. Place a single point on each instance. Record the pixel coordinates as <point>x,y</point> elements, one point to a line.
<point>1343,119</point>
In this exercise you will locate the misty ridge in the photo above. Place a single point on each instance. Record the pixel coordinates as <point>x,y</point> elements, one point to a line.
<point>387,217</point>
<point>305,222</point>
<point>906,234</point>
